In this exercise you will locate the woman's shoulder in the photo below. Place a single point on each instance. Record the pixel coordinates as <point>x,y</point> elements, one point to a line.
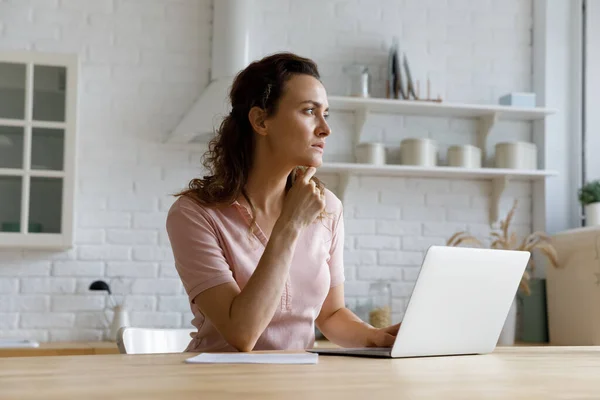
<point>332,203</point>
<point>186,208</point>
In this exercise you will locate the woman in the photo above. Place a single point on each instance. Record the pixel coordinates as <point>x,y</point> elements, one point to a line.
<point>258,243</point>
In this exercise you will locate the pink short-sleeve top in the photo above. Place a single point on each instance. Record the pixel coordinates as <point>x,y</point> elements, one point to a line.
<point>214,245</point>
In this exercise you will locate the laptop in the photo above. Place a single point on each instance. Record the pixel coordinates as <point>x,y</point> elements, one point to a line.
<point>458,306</point>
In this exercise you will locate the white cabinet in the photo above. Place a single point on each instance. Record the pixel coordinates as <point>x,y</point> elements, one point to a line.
<point>38,107</point>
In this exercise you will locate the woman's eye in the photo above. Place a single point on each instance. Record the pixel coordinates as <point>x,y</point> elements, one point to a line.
<point>326,115</point>
<point>310,110</point>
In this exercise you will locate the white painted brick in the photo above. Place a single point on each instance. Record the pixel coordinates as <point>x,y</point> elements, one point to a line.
<point>380,183</point>
<point>168,270</point>
<point>415,243</point>
<point>173,303</point>
<point>131,237</point>
<point>48,285</point>
<point>402,198</point>
<point>92,319</point>
<point>448,200</point>
<point>398,228</point>
<point>359,226</point>
<point>89,6</point>
<point>132,269</point>
<point>140,302</point>
<point>402,289</point>
<point>400,257</point>
<point>78,302</point>
<point>132,203</point>
<point>8,321</point>
<point>156,319</point>
<point>78,268</point>
<point>35,255</point>
<point>377,242</point>
<point>86,202</point>
<point>47,320</point>
<point>90,236</point>
<point>432,186</point>
<point>371,211</point>
<point>9,285</point>
<point>410,274</point>
<point>79,335</point>
<point>156,286</point>
<point>163,239</point>
<point>105,252</point>
<point>39,335</point>
<point>166,203</point>
<point>467,215</point>
<point>38,268</point>
<point>371,273</point>
<point>444,229</point>
<point>15,43</point>
<point>152,253</point>
<point>423,214</point>
<point>350,273</point>
<point>356,288</point>
<point>31,31</point>
<point>115,55</point>
<point>360,257</point>
<point>149,220</point>
<point>104,219</point>
<point>24,303</point>
<point>72,18</point>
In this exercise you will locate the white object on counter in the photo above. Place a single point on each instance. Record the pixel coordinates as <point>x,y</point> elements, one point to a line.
<point>120,318</point>
<point>466,156</point>
<point>18,343</point>
<point>418,151</point>
<point>592,214</point>
<point>516,155</point>
<point>249,358</point>
<point>370,153</point>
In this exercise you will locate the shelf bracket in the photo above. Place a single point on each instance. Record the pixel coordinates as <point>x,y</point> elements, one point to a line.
<point>486,124</point>
<point>498,187</point>
<point>360,119</point>
<point>343,186</point>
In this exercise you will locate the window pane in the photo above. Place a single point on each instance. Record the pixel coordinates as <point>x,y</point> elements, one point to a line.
<point>12,90</point>
<point>11,147</point>
<point>10,199</point>
<point>45,205</point>
<point>47,149</point>
<point>49,93</point>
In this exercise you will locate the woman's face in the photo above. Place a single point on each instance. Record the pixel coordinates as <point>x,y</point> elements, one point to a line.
<point>296,132</point>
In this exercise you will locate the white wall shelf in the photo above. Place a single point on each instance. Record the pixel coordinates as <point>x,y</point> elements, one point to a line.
<point>487,114</point>
<point>499,176</point>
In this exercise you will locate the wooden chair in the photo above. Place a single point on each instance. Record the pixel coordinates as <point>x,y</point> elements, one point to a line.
<point>152,341</point>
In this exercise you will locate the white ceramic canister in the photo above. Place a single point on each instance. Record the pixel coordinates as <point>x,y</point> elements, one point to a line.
<point>370,153</point>
<point>418,151</point>
<point>516,155</point>
<point>465,156</point>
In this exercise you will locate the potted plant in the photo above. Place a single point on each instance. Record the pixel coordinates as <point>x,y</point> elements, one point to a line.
<point>589,197</point>
<point>531,291</point>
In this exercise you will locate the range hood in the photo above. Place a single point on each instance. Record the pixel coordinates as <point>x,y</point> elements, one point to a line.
<point>230,54</point>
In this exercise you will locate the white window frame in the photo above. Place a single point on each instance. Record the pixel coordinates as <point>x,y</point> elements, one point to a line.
<point>592,88</point>
<point>64,239</point>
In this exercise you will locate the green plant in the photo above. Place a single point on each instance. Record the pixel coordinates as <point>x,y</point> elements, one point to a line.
<point>590,193</point>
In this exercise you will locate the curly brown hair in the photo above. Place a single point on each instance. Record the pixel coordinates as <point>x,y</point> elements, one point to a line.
<point>231,151</point>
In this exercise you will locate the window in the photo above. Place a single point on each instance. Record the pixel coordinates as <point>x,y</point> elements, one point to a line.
<point>38,99</point>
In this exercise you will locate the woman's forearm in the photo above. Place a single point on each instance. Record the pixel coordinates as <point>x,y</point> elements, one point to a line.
<point>345,329</point>
<point>253,308</point>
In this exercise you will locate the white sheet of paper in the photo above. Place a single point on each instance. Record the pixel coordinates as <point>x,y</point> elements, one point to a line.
<point>18,343</point>
<point>254,358</point>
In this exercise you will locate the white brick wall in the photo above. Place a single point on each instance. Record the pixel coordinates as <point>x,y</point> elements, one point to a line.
<point>142,65</point>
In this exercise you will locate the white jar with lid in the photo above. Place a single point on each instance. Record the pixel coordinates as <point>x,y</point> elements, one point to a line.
<point>418,151</point>
<point>370,153</point>
<point>465,156</point>
<point>516,155</point>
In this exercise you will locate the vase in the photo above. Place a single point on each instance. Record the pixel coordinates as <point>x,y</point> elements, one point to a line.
<point>120,318</point>
<point>507,336</point>
<point>592,214</point>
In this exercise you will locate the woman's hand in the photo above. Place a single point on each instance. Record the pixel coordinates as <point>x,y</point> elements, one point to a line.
<point>303,202</point>
<point>384,337</point>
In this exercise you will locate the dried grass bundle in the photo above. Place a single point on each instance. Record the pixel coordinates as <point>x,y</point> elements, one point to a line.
<point>501,239</point>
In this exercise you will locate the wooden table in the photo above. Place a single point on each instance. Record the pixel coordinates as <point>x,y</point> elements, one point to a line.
<point>61,349</point>
<point>508,373</point>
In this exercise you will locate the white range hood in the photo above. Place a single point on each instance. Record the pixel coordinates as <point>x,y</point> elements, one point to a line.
<point>230,54</point>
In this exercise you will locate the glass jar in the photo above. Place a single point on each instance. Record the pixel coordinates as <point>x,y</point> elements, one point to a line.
<point>359,80</point>
<point>380,301</point>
